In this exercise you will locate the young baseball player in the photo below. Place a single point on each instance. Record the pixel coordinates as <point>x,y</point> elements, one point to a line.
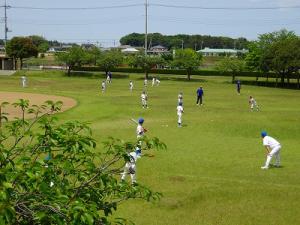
<point>238,87</point>
<point>253,104</point>
<point>24,81</point>
<point>180,98</point>
<point>103,86</point>
<point>157,81</point>
<point>140,130</point>
<point>130,166</point>
<point>144,98</point>
<point>153,81</point>
<point>179,113</point>
<point>145,82</point>
<point>130,85</point>
<point>272,149</point>
<point>200,94</point>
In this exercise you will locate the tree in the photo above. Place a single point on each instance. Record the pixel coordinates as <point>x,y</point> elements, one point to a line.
<point>40,42</point>
<point>76,56</point>
<point>283,57</point>
<point>93,55</point>
<point>232,65</point>
<point>187,59</point>
<point>147,62</point>
<point>21,48</point>
<point>54,173</point>
<point>109,60</point>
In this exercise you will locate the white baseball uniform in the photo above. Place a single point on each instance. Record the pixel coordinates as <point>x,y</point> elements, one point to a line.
<point>180,98</point>
<point>179,114</point>
<point>130,85</point>
<point>103,86</point>
<point>275,147</point>
<point>130,167</point>
<point>144,100</point>
<point>23,80</point>
<point>253,103</point>
<point>153,81</point>
<point>157,82</point>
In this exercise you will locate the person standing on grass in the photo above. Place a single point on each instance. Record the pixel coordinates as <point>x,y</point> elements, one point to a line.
<point>103,86</point>
<point>130,166</point>
<point>144,98</point>
<point>179,114</point>
<point>272,149</point>
<point>200,94</point>
<point>130,85</point>
<point>238,87</point>
<point>24,81</point>
<point>153,81</point>
<point>253,104</point>
<point>145,83</point>
<point>180,98</point>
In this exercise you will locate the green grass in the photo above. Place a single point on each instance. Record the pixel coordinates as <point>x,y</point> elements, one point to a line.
<point>210,174</point>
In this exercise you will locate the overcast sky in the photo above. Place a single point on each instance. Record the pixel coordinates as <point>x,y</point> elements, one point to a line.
<point>106,21</point>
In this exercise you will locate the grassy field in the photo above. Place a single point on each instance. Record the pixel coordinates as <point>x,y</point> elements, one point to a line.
<point>210,173</point>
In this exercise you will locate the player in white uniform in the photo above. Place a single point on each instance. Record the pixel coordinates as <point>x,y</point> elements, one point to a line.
<point>153,81</point>
<point>131,85</point>
<point>273,149</point>
<point>179,113</point>
<point>130,166</point>
<point>24,81</point>
<point>180,98</point>
<point>145,82</point>
<point>103,86</point>
<point>157,81</point>
<point>144,98</point>
<point>253,104</point>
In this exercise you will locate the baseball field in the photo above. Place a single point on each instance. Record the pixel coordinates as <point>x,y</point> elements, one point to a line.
<point>210,173</point>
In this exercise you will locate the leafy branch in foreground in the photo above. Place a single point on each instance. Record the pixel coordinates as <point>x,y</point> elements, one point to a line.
<point>51,173</point>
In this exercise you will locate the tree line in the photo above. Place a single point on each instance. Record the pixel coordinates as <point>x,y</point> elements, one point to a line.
<point>195,42</point>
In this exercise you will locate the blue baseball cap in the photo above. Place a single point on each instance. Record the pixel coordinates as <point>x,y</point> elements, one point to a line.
<point>264,133</point>
<point>141,120</point>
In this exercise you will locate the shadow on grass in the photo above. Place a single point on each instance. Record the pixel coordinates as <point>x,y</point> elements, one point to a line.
<point>95,75</point>
<point>268,84</point>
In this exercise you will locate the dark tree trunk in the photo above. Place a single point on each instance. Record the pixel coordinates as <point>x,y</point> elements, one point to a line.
<point>276,84</point>
<point>69,71</point>
<point>21,63</point>
<point>146,74</point>
<point>189,76</point>
<point>282,76</point>
<point>233,78</point>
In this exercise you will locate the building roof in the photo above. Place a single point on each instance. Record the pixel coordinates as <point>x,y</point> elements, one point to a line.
<point>221,50</point>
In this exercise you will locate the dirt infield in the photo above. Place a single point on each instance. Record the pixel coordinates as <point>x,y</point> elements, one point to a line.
<point>34,99</point>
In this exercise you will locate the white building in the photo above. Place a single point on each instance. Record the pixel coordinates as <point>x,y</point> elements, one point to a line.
<point>221,51</point>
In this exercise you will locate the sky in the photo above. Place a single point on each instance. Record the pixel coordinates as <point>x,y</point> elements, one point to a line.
<point>104,22</point>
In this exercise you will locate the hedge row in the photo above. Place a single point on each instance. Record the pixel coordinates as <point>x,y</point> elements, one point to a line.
<point>177,72</point>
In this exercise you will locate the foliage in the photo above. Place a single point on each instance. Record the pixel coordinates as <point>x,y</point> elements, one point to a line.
<point>50,172</point>
<point>187,59</point>
<point>232,65</point>
<point>76,56</point>
<point>20,48</point>
<point>40,42</point>
<point>109,60</point>
<point>190,41</point>
<point>93,54</point>
<point>147,62</point>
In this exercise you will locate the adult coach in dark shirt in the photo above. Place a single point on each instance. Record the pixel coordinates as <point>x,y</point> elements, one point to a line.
<point>200,94</point>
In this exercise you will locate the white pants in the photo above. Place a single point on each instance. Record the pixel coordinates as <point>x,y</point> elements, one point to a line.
<point>179,118</point>
<point>275,152</point>
<point>144,102</point>
<point>23,83</point>
<point>126,171</point>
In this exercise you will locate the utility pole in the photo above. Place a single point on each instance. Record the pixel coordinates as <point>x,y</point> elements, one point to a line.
<point>146,26</point>
<point>182,44</point>
<point>5,22</point>
<point>195,46</point>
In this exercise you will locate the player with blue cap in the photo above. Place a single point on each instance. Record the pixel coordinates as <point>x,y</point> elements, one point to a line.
<point>272,149</point>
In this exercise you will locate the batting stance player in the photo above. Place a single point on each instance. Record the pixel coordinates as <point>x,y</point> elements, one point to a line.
<point>144,98</point>
<point>179,113</point>
<point>130,167</point>
<point>140,130</point>
<point>273,149</point>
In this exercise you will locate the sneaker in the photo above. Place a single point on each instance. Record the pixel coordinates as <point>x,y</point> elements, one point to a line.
<point>264,167</point>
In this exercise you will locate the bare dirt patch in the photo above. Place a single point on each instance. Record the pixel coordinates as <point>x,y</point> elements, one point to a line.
<point>34,99</point>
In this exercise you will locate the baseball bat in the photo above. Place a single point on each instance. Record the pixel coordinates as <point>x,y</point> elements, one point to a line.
<point>133,120</point>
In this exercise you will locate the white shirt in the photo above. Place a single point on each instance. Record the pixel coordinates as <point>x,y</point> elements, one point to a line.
<point>103,84</point>
<point>133,157</point>
<point>139,131</point>
<point>179,110</point>
<point>144,96</point>
<point>271,142</point>
<point>145,82</point>
<point>131,85</point>
<point>252,101</point>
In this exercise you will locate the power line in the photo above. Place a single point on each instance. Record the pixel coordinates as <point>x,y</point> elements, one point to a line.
<point>76,8</point>
<point>224,8</point>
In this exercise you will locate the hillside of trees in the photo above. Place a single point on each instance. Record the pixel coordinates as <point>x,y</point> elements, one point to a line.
<point>189,41</point>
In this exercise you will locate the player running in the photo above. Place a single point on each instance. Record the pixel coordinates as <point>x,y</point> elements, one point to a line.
<point>130,85</point>
<point>103,86</point>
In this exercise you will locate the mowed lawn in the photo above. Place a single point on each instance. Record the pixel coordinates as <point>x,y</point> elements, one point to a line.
<point>210,174</point>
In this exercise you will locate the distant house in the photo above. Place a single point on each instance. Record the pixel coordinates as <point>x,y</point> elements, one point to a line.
<point>62,48</point>
<point>158,50</point>
<point>130,50</point>
<point>221,51</point>
<point>88,46</point>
